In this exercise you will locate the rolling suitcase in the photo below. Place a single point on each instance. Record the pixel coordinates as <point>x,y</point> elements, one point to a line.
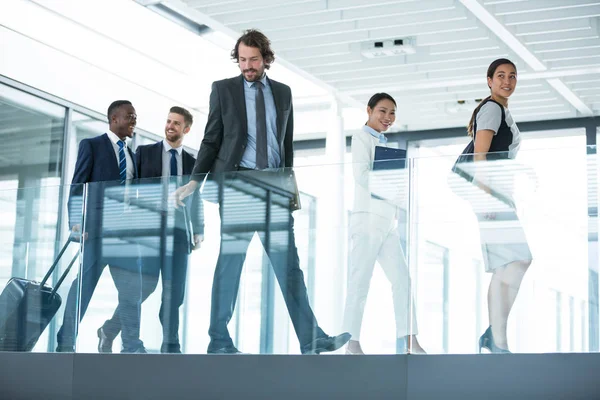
<point>26,308</point>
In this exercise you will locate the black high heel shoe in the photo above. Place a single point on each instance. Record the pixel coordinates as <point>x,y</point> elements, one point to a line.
<point>487,341</point>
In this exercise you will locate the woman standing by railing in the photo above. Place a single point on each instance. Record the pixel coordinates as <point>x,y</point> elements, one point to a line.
<point>506,253</point>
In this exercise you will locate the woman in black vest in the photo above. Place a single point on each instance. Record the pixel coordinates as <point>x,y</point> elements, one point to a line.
<point>505,250</point>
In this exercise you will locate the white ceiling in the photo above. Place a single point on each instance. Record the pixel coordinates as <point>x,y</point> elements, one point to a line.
<point>555,44</point>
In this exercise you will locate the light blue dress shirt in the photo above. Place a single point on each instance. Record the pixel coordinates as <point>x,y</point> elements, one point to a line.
<point>249,156</point>
<point>378,135</point>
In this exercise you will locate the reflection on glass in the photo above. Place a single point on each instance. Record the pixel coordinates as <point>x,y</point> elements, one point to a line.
<point>31,157</point>
<point>553,199</point>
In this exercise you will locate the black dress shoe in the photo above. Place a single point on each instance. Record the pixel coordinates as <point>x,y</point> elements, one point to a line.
<point>173,348</point>
<point>326,343</point>
<point>224,350</point>
<point>105,342</point>
<point>65,349</point>
<point>139,350</point>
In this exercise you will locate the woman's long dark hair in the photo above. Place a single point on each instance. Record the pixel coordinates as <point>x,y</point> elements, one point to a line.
<point>490,74</point>
<point>377,97</point>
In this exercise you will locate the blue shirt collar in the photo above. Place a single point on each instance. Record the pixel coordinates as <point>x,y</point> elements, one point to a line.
<point>374,133</point>
<point>263,80</point>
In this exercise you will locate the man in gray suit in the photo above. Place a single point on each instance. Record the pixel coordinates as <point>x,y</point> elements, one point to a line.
<point>250,127</point>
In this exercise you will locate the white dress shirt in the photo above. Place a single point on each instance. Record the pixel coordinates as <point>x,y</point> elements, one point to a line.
<point>166,159</point>
<point>129,162</point>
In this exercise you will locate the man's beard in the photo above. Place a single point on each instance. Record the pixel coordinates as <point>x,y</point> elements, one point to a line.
<point>257,74</point>
<point>173,137</point>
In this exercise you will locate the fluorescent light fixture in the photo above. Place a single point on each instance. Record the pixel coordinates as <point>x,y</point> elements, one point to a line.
<point>584,81</point>
<point>585,89</point>
<point>567,49</point>
<point>470,51</point>
<point>584,28</point>
<point>541,21</point>
<point>561,40</point>
<point>535,101</point>
<point>423,43</point>
<point>572,58</point>
<point>548,8</point>
<point>560,73</point>
<point>525,116</point>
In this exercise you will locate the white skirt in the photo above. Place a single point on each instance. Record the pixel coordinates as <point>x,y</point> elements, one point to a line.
<point>503,240</point>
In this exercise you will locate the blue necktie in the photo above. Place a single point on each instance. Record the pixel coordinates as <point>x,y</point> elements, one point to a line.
<point>122,161</point>
<point>173,162</point>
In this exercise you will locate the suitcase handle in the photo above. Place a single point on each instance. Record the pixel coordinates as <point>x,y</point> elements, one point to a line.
<point>60,254</point>
<point>64,275</point>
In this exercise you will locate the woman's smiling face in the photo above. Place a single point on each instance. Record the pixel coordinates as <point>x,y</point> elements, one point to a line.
<point>382,116</point>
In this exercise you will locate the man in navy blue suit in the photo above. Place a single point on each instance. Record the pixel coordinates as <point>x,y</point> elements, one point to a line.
<point>168,160</point>
<point>104,163</point>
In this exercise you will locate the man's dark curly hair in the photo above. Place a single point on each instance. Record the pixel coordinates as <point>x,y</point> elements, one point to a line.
<point>255,38</point>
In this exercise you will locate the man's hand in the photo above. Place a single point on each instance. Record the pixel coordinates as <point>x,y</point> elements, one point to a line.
<point>198,239</point>
<point>183,192</point>
<point>76,233</point>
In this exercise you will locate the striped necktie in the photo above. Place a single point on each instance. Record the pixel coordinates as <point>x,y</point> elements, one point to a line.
<point>122,161</point>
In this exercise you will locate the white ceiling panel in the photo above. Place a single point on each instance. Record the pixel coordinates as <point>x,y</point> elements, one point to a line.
<point>554,43</point>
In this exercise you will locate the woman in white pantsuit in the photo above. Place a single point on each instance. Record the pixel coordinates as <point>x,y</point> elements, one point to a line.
<point>374,235</point>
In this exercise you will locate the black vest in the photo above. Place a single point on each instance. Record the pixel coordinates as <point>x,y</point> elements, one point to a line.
<point>498,148</point>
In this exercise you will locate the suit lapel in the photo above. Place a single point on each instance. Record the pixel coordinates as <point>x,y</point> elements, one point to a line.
<point>278,99</point>
<point>188,162</point>
<point>133,161</point>
<point>156,155</point>
<point>110,150</point>
<point>239,100</point>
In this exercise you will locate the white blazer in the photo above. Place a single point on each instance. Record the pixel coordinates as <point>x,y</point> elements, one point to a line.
<point>363,154</point>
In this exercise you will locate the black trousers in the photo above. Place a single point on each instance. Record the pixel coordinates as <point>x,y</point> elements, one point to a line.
<point>283,256</point>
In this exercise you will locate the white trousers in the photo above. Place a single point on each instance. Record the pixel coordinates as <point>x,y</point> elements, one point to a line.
<point>375,238</point>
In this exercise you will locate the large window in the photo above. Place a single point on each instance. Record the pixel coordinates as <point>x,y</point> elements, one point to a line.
<point>32,131</point>
<point>31,159</point>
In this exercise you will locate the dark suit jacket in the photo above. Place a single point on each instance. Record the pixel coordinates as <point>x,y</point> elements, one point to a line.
<point>149,165</point>
<point>226,133</point>
<point>96,162</point>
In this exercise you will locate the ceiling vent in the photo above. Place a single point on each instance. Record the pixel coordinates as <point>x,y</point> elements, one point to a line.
<point>389,48</point>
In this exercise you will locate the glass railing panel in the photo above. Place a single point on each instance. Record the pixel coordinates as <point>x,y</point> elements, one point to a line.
<point>38,264</point>
<point>533,207</point>
<point>361,217</point>
<point>434,222</point>
<point>134,238</point>
<point>248,216</point>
